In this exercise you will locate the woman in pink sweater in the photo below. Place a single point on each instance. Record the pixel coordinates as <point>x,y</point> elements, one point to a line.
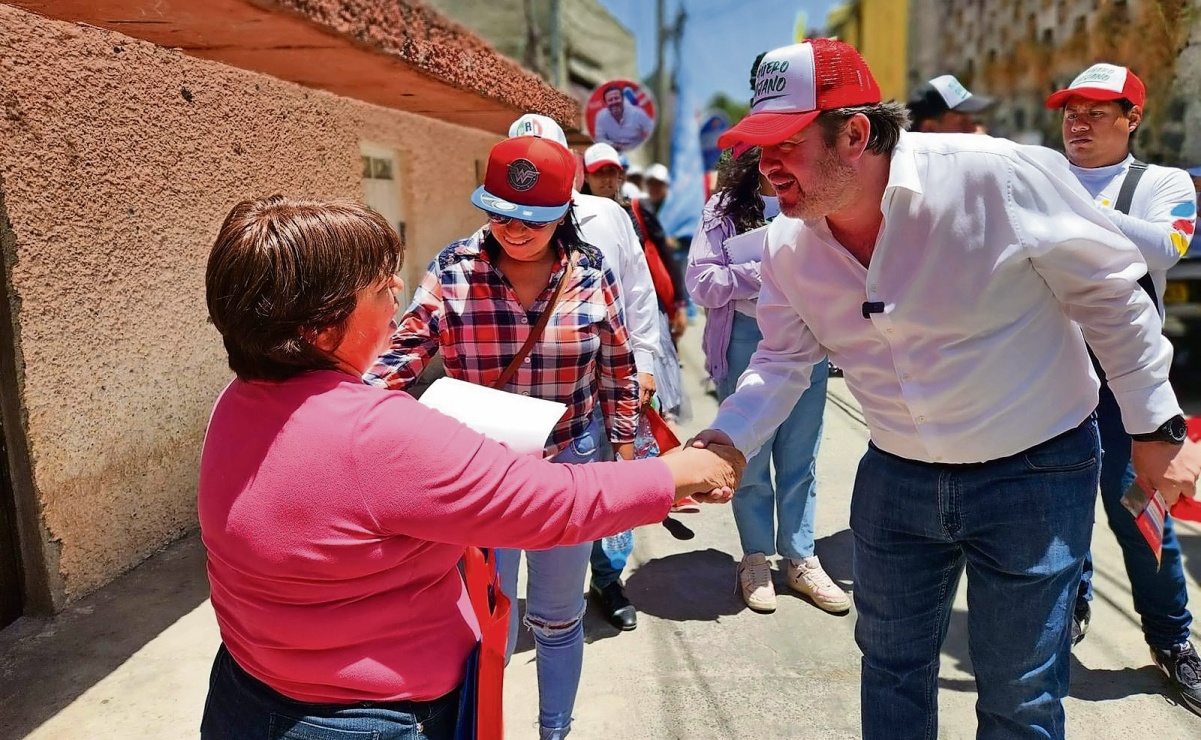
<point>335,513</point>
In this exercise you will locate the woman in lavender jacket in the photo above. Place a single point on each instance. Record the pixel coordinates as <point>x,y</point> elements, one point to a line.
<point>744,201</point>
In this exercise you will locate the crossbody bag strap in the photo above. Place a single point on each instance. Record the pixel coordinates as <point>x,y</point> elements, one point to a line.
<point>538,328</point>
<point>636,209</point>
<point>1129,184</point>
<point>1125,198</point>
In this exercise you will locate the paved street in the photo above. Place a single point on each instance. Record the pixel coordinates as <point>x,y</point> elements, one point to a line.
<point>132,661</point>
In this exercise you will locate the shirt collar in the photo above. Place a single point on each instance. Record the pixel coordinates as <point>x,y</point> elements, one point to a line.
<point>902,169</point>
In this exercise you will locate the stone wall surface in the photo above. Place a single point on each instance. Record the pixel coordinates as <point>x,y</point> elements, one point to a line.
<point>118,161</point>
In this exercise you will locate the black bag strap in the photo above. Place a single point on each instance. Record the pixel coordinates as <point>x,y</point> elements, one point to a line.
<point>536,330</point>
<point>1129,185</point>
<point>1125,197</point>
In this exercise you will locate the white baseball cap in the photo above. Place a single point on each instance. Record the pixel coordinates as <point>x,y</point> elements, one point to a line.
<point>658,172</point>
<point>599,155</point>
<point>533,124</point>
<point>634,171</point>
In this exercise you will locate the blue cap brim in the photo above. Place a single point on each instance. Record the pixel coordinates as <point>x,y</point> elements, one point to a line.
<point>485,201</point>
<point>1194,171</point>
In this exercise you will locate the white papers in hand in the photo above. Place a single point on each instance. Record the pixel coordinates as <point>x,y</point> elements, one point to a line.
<point>747,247</point>
<point>521,422</point>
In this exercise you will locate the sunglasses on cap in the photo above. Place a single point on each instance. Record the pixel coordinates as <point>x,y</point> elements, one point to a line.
<point>500,220</point>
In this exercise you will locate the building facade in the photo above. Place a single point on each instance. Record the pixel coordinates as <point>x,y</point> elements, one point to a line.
<point>128,133</point>
<point>879,30</point>
<point>576,46</point>
<point>1021,50</point>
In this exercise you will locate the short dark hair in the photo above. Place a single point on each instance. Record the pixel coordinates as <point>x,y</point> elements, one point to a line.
<point>283,269</point>
<point>887,119</point>
<point>612,88</point>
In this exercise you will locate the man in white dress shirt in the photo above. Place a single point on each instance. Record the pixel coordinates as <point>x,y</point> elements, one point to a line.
<point>945,274</point>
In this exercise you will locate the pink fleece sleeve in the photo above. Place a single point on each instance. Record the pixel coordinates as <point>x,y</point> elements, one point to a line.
<point>426,475</point>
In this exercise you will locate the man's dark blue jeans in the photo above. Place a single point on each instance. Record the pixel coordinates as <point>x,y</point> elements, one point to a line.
<point>1021,526</point>
<point>1160,595</point>
<point>240,706</point>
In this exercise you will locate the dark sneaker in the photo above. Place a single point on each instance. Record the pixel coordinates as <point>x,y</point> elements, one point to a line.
<point>1080,620</point>
<point>616,607</point>
<point>1183,668</point>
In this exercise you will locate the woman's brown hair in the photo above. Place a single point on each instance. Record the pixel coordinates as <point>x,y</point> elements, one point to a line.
<point>284,269</point>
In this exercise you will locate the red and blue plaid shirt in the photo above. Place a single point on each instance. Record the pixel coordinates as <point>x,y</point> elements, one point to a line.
<point>467,309</point>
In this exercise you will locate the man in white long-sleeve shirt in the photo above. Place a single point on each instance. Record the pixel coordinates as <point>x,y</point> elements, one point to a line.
<point>606,226</point>
<point>950,276</point>
<point>1155,208</point>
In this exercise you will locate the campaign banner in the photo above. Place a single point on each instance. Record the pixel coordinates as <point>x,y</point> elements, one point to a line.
<point>716,123</point>
<point>621,113</point>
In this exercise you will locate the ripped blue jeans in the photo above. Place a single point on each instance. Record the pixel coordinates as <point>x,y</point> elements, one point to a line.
<point>554,608</point>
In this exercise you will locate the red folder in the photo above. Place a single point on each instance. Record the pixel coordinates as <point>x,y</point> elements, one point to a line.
<point>1189,509</point>
<point>1149,508</point>
<point>666,438</point>
<point>491,608</point>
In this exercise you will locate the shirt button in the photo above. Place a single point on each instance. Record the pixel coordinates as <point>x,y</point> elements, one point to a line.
<point>888,331</point>
<point>874,286</point>
<point>525,393</point>
<point>525,320</point>
<point>921,419</point>
<point>905,376</point>
<point>527,359</point>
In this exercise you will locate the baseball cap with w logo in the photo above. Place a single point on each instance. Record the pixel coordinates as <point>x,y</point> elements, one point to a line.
<point>794,84</point>
<point>528,178</point>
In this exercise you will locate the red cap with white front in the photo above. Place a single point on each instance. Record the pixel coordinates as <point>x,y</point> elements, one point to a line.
<point>600,155</point>
<point>1102,82</point>
<point>794,84</point>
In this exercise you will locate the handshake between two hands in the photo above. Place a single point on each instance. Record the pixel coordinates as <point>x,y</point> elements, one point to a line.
<point>707,467</point>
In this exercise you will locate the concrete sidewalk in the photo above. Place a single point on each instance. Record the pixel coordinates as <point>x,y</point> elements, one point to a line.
<point>132,661</point>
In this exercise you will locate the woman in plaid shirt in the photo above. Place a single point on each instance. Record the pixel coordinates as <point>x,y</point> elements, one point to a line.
<point>477,305</point>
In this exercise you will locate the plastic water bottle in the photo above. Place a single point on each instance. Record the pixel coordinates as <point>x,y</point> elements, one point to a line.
<point>618,548</point>
<point>645,444</point>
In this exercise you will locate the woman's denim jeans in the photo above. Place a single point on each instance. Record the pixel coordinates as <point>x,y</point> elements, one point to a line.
<point>777,518</point>
<point>554,608</point>
<point>240,706</point>
<point>1021,526</point>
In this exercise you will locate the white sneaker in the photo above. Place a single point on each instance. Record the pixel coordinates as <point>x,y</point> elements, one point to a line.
<point>807,577</point>
<point>754,583</point>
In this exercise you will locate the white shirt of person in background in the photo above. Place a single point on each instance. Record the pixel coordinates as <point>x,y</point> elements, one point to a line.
<point>623,126</point>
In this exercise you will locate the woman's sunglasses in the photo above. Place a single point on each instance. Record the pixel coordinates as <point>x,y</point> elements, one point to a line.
<point>500,220</point>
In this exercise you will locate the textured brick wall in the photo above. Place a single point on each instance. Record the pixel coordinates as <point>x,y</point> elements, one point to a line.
<point>118,161</point>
